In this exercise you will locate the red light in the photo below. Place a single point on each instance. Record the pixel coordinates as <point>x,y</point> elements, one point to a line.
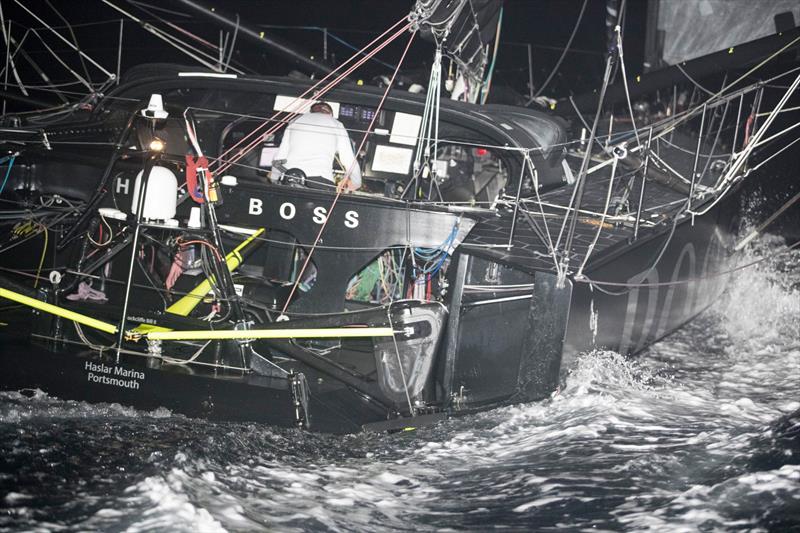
<point>480,152</point>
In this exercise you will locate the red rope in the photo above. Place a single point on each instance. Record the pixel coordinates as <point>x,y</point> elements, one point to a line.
<point>312,88</point>
<point>340,188</point>
<point>747,125</point>
<point>213,248</point>
<point>227,164</point>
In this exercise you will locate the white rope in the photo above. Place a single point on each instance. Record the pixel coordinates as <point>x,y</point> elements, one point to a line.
<point>602,222</point>
<point>535,179</point>
<point>731,175</point>
<point>625,82</point>
<point>776,135</point>
<point>58,58</point>
<point>762,163</point>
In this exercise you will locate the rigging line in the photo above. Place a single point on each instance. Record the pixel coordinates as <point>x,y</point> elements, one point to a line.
<point>330,35</point>
<point>9,58</point>
<point>538,231</point>
<point>340,189</point>
<point>427,143</point>
<point>74,38</point>
<point>175,27</point>
<point>223,166</point>
<point>162,9</point>
<point>760,164</point>
<point>97,347</point>
<point>57,34</point>
<point>722,91</point>
<point>668,167</point>
<point>582,174</point>
<point>323,80</point>
<point>304,105</point>
<point>714,144</point>
<point>581,211</point>
<point>602,222</point>
<point>351,47</point>
<point>52,87</point>
<point>585,124</point>
<point>185,47</point>
<point>231,45</point>
<point>535,179</point>
<point>667,241</point>
<point>694,82</point>
<point>563,54</point>
<point>618,31</point>
<point>400,362</point>
<point>692,152</point>
<point>744,155</point>
<point>767,222</point>
<point>744,266</point>
<point>796,108</point>
<point>776,135</point>
<point>720,196</point>
<point>165,37</point>
<point>488,83</point>
<point>18,46</point>
<point>64,64</point>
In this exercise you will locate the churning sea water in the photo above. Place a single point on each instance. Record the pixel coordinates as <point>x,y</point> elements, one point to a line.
<point>699,433</point>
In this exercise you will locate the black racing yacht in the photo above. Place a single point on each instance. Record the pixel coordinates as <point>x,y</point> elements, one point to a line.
<point>147,259</point>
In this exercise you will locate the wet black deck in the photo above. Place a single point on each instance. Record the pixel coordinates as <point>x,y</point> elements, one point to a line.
<point>530,247</point>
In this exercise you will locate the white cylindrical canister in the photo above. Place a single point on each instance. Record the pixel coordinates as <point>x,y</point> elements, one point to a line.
<point>161,197</point>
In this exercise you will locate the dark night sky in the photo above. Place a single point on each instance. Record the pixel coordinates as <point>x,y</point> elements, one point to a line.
<point>545,24</point>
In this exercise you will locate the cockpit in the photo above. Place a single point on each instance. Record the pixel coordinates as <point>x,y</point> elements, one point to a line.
<point>248,127</point>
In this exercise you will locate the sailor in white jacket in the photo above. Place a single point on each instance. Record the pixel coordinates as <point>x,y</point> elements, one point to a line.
<point>311,142</point>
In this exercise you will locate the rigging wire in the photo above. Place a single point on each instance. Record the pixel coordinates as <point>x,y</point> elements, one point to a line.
<point>487,86</point>
<point>602,222</point>
<point>621,55</point>
<point>74,38</point>
<point>223,165</point>
<point>597,284</point>
<point>340,188</point>
<point>563,54</point>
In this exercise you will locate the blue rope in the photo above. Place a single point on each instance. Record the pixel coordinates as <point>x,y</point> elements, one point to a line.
<point>440,252</point>
<point>8,172</point>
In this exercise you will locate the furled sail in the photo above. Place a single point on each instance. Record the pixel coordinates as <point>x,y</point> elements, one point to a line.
<point>465,30</point>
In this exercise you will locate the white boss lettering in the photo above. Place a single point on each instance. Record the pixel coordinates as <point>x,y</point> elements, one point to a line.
<point>320,215</point>
<point>351,219</point>
<point>287,211</point>
<point>123,185</point>
<point>255,207</point>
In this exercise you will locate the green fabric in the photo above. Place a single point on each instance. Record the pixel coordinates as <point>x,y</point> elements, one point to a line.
<point>367,280</point>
